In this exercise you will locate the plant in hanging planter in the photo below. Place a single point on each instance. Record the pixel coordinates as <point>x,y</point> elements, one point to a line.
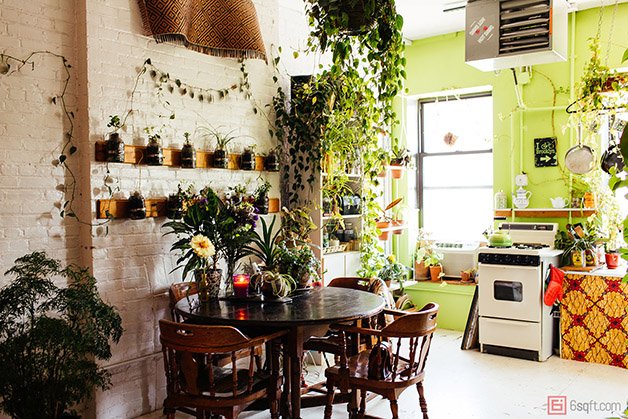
<point>114,144</point>
<point>399,161</point>
<point>247,159</point>
<point>154,152</point>
<point>260,197</point>
<point>188,154</point>
<point>52,339</point>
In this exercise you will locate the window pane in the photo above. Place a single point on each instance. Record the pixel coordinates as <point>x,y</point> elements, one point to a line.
<point>458,170</point>
<point>468,119</point>
<point>461,214</point>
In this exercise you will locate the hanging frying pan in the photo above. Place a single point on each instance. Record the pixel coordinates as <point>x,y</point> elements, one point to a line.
<point>579,158</point>
<point>612,157</point>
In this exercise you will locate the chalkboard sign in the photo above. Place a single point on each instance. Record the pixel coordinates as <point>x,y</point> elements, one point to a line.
<point>545,152</point>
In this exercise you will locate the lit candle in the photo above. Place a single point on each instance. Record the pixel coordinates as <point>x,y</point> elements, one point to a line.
<point>241,285</point>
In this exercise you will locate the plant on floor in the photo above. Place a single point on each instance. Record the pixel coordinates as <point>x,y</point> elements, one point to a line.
<point>51,338</point>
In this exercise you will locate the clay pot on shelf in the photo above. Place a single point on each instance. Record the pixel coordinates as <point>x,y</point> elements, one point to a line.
<point>421,271</point>
<point>115,148</point>
<point>381,225</point>
<point>398,223</point>
<point>435,271</point>
<point>612,259</point>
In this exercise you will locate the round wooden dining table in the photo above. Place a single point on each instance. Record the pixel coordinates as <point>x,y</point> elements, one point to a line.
<point>308,314</point>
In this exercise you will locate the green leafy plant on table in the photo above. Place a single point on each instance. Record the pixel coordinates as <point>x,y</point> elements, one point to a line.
<point>51,338</point>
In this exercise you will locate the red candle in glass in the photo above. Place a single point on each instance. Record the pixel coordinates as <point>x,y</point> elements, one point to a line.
<point>241,285</point>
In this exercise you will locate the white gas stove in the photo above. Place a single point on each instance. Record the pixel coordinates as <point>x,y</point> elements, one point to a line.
<point>513,319</point>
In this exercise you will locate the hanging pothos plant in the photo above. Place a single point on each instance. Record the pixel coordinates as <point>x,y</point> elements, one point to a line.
<point>342,114</point>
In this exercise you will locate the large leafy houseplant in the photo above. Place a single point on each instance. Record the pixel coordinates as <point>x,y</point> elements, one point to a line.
<point>51,338</point>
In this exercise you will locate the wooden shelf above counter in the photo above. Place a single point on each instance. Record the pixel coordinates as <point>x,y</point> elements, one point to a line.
<point>155,207</point>
<point>134,154</point>
<point>545,212</point>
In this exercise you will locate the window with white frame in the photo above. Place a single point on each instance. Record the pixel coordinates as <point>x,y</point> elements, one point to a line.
<point>455,166</point>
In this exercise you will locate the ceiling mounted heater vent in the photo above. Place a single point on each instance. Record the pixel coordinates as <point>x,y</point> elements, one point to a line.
<point>515,33</point>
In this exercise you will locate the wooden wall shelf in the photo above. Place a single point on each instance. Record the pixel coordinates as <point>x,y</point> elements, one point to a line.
<point>134,154</point>
<point>545,212</point>
<point>155,207</point>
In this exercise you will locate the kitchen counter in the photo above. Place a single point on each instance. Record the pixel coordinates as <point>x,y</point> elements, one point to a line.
<point>594,317</point>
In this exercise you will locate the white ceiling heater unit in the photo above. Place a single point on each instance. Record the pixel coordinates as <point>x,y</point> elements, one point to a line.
<point>515,33</point>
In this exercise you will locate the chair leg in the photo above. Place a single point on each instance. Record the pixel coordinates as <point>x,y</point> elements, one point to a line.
<point>352,407</point>
<point>330,400</point>
<point>362,404</point>
<point>422,401</point>
<point>394,408</point>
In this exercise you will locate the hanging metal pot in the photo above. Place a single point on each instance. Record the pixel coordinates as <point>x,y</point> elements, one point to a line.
<point>579,158</point>
<point>613,157</point>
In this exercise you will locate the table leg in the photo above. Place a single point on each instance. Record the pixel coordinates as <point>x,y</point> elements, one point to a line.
<point>285,394</point>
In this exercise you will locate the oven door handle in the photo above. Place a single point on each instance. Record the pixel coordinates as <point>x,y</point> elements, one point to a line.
<point>496,266</point>
<point>509,323</point>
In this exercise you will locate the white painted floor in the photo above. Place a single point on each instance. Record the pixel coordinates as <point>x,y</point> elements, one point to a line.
<point>469,384</point>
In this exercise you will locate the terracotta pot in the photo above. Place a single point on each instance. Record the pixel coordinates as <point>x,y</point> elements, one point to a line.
<point>421,271</point>
<point>398,223</point>
<point>612,260</point>
<point>435,272</point>
<point>396,171</point>
<point>383,225</point>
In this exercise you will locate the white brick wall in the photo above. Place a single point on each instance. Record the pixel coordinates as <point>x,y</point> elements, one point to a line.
<point>132,263</point>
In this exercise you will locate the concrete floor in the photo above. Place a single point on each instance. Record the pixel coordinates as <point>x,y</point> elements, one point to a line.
<point>469,384</point>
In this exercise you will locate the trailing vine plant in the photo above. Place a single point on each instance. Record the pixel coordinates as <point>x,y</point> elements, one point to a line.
<point>345,112</point>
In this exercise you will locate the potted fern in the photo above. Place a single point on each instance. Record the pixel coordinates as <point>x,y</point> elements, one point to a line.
<point>51,338</point>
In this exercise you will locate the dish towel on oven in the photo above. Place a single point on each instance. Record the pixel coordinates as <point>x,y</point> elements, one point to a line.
<point>554,289</point>
<point>224,28</point>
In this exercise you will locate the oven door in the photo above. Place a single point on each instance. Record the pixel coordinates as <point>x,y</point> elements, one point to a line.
<point>510,292</point>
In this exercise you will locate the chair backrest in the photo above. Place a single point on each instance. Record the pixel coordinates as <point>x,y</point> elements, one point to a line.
<point>351,282</point>
<point>414,330</point>
<point>177,292</point>
<point>188,352</point>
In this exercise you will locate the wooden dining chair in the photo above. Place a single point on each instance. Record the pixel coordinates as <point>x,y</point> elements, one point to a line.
<point>177,292</point>
<point>195,386</point>
<point>331,342</point>
<point>385,369</point>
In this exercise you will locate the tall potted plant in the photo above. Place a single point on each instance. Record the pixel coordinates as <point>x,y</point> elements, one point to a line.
<point>51,338</point>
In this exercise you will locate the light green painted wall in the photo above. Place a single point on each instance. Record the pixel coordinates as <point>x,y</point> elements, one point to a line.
<point>437,64</point>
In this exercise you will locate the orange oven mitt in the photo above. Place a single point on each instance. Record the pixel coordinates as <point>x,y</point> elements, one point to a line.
<point>554,289</point>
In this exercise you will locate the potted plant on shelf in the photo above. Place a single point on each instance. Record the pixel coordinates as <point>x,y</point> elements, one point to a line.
<point>199,240</point>
<point>260,197</point>
<point>247,159</point>
<point>393,271</point>
<point>432,261</point>
<point>271,161</point>
<point>51,338</point>
<point>424,247</point>
<point>296,226</point>
<point>154,152</point>
<point>114,144</point>
<point>188,154</point>
<point>221,152</point>
<point>384,221</point>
